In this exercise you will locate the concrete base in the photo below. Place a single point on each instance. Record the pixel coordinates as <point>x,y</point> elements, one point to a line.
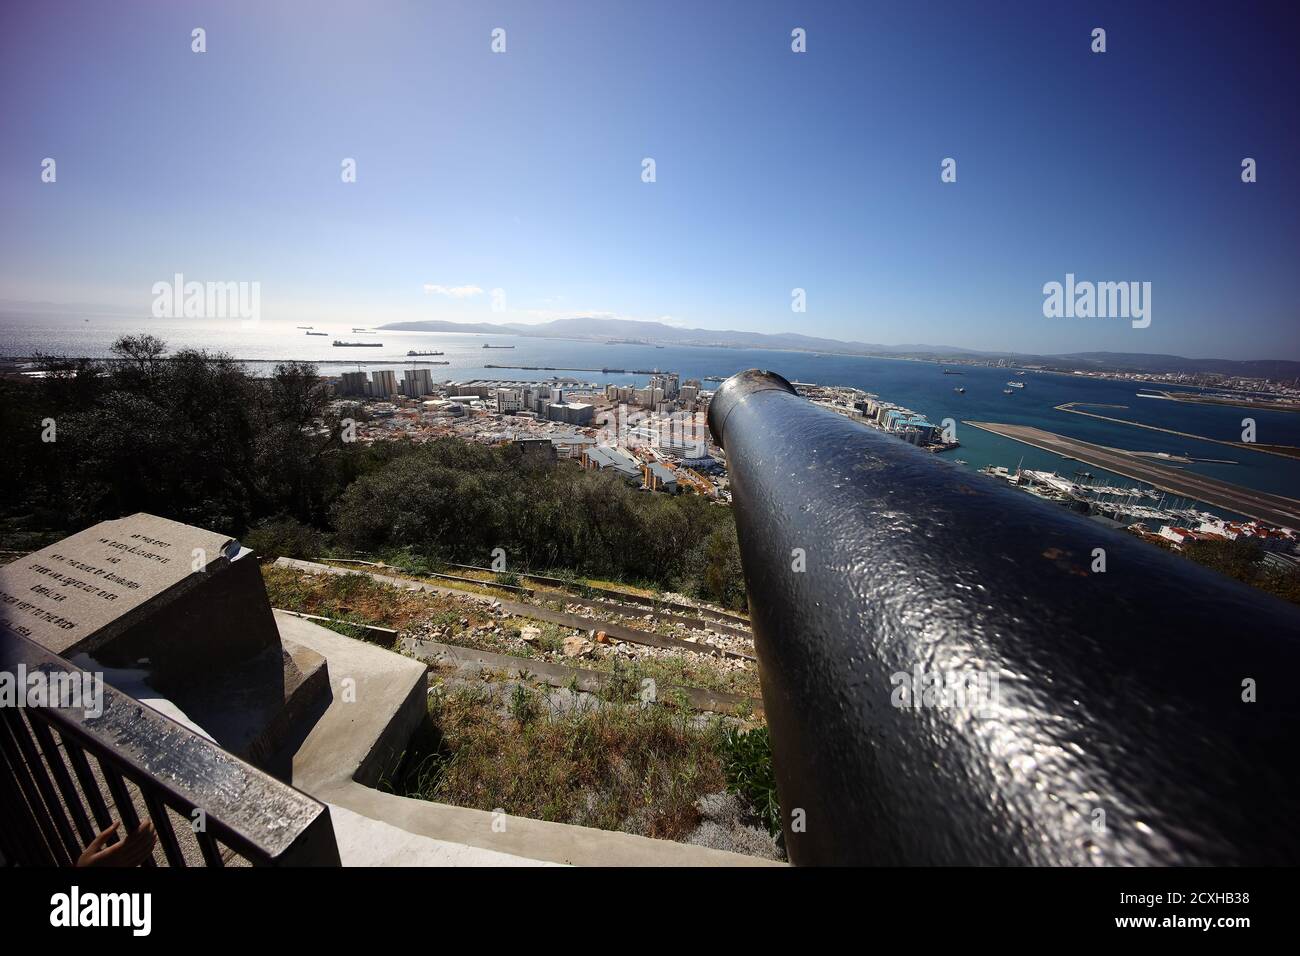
<point>254,708</point>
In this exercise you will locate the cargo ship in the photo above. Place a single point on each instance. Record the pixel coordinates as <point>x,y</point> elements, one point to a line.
<point>357,345</point>
<point>318,333</point>
<point>486,346</point>
<point>413,352</point>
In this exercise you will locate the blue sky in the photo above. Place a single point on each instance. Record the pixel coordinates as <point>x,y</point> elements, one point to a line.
<point>522,171</point>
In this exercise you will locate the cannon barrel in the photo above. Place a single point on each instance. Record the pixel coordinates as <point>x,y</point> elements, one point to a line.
<point>950,678</point>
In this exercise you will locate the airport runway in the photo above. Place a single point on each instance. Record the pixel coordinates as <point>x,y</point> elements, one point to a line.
<point>1270,508</point>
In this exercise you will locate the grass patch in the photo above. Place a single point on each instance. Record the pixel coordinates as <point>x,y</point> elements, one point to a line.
<point>702,672</point>
<point>418,571</point>
<point>639,770</point>
<point>359,599</point>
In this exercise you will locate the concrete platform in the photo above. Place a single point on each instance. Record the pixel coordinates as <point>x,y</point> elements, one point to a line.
<point>366,842</point>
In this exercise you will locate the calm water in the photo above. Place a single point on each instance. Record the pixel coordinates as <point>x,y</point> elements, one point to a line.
<point>920,386</point>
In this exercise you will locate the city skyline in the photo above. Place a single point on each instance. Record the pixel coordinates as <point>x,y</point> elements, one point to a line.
<point>775,171</point>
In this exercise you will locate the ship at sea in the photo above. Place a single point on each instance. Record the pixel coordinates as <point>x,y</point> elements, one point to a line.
<point>318,333</point>
<point>1016,384</point>
<point>413,352</point>
<point>486,346</point>
<point>357,345</point>
<point>959,390</point>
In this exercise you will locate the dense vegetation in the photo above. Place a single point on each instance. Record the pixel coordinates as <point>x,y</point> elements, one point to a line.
<point>462,501</point>
<point>192,436</point>
<point>1243,560</point>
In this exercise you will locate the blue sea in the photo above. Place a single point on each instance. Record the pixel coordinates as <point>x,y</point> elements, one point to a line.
<point>921,386</point>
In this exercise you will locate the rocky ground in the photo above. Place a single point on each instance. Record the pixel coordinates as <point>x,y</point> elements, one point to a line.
<point>485,625</point>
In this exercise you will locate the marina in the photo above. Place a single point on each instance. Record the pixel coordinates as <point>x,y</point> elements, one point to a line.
<point>1274,509</point>
<point>1125,504</point>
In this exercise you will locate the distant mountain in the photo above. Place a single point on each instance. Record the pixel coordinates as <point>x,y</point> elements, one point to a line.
<point>657,333</point>
<point>1140,362</point>
<point>436,325</point>
<point>660,334</point>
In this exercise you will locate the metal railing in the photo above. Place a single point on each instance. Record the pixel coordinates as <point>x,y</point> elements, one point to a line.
<point>955,672</point>
<point>70,765</point>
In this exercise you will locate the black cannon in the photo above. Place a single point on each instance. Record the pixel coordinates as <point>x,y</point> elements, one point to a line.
<point>950,679</point>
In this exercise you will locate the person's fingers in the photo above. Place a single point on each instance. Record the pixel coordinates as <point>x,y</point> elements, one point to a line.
<point>135,855</point>
<point>139,845</point>
<point>102,837</point>
<point>146,835</point>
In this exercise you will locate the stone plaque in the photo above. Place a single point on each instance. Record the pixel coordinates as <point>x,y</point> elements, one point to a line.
<point>140,591</point>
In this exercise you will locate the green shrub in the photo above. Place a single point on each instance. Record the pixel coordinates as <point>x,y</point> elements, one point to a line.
<point>747,763</point>
<point>285,537</point>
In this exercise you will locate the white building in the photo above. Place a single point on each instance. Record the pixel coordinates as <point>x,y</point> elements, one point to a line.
<point>509,400</point>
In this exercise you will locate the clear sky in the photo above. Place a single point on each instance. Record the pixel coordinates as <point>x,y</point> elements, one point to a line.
<point>523,171</point>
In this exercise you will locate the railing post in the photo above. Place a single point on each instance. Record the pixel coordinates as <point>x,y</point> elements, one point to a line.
<point>1101,717</point>
<point>172,768</point>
